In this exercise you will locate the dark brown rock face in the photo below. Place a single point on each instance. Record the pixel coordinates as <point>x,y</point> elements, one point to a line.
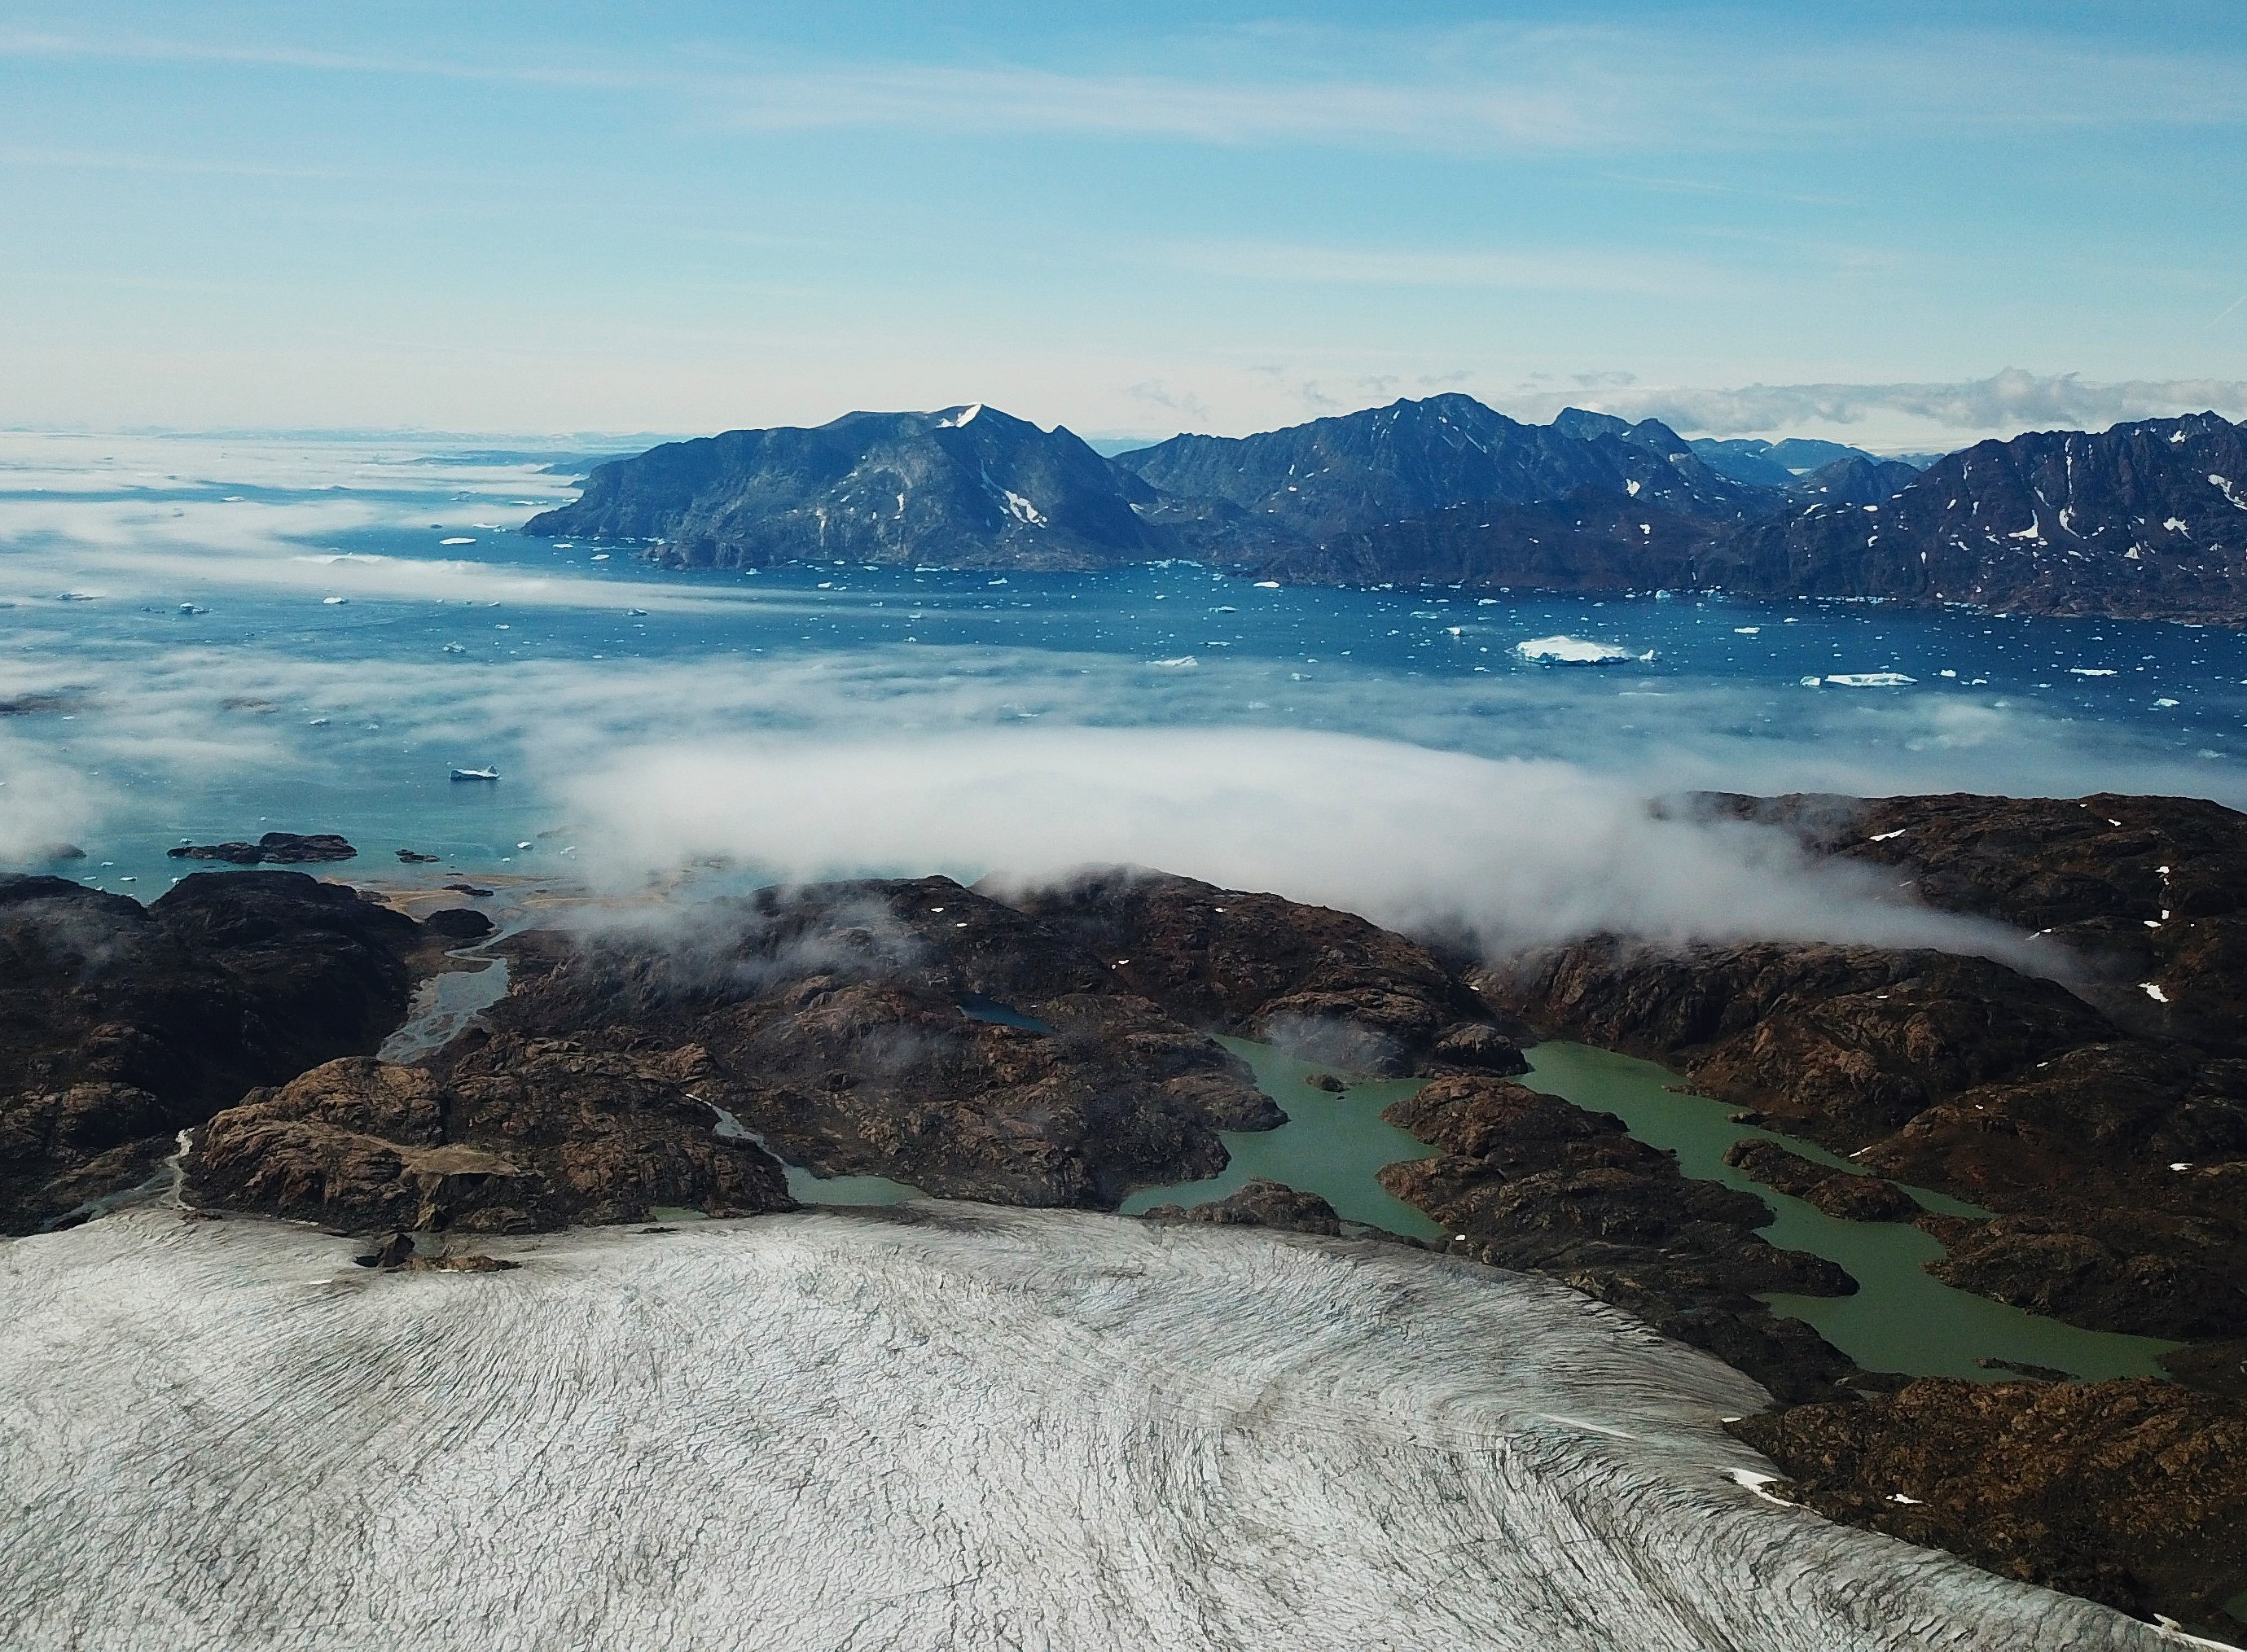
<point>2131,1492</point>
<point>275,849</point>
<point>121,1025</point>
<point>511,1136</point>
<point>1855,1198</point>
<point>2139,889</point>
<point>1324,985</point>
<point>1960,1074</point>
<point>833,1022</point>
<point>1259,1203</point>
<point>1531,1182</point>
<point>458,923</point>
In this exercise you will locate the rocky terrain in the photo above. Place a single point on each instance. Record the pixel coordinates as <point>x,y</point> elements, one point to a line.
<point>274,849</point>
<point>2104,1125</point>
<point>121,1025</point>
<point>1052,1045</point>
<point>507,1135</point>
<point>1050,1051</point>
<point>1528,1181</point>
<point>2145,519</point>
<point>2130,1492</point>
<point>1271,498</point>
<point>968,486</point>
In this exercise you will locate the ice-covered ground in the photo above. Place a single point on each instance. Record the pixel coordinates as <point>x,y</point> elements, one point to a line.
<point>957,1428</point>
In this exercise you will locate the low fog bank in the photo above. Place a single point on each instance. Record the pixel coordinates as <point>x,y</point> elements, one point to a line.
<point>1514,852</point>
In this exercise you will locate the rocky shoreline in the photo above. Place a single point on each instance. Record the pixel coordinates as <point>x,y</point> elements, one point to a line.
<point>1052,1048</point>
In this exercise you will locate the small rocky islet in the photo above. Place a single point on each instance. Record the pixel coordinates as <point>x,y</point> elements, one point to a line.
<point>2104,1127</point>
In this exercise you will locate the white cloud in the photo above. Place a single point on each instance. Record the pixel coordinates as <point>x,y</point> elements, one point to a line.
<point>2007,402</point>
<point>1521,851</point>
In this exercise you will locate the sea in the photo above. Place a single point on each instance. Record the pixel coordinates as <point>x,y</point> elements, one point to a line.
<point>208,637</point>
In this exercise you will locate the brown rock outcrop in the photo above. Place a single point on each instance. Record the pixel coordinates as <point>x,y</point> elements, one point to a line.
<point>511,1136</point>
<point>1960,1074</point>
<point>1323,985</point>
<point>121,1025</point>
<point>1259,1203</point>
<point>1854,1199</point>
<point>1530,1182</point>
<point>833,1020</point>
<point>2131,1492</point>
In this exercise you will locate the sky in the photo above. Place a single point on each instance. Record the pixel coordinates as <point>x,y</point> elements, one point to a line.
<point>1906,225</point>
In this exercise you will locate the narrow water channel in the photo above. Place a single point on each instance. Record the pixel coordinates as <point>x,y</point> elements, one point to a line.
<point>1902,1319</point>
<point>1331,1145</point>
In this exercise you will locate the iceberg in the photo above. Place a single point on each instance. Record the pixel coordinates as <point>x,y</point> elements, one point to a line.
<point>1574,650</point>
<point>1870,680</point>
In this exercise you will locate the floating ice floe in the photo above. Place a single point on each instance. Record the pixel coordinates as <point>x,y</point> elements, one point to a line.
<point>2165,704</point>
<point>1574,651</point>
<point>333,601</point>
<point>458,539</point>
<point>2152,989</point>
<point>1183,662</point>
<point>2091,671</point>
<point>1869,679</point>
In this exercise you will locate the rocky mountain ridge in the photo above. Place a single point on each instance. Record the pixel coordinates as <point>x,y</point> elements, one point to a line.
<point>2146,520</point>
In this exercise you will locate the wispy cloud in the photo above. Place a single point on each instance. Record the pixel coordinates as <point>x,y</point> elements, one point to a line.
<point>1489,87</point>
<point>1525,268</point>
<point>2010,401</point>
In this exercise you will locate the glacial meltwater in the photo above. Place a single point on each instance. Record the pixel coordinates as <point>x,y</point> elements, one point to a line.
<point>1332,1145</point>
<point>1902,1318</point>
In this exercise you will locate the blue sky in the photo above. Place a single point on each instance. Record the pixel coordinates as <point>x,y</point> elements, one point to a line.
<point>599,217</point>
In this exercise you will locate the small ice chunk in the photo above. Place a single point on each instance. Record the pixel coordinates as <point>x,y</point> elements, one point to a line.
<point>2152,989</point>
<point>2093,671</point>
<point>1183,662</point>
<point>458,539</point>
<point>1870,680</point>
<point>1882,837</point>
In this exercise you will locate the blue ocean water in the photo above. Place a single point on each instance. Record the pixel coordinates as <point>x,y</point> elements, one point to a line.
<point>208,640</point>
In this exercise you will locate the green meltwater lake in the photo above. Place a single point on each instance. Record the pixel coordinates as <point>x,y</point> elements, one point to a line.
<point>1901,1319</point>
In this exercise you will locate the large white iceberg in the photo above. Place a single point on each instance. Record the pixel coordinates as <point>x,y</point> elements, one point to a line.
<point>1574,651</point>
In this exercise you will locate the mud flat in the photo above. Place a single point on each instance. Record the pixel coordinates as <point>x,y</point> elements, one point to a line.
<point>947,1425</point>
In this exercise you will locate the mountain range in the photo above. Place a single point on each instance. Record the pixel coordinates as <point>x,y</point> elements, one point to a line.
<point>2145,519</point>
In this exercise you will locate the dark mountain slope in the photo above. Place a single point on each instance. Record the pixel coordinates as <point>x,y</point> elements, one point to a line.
<point>1590,542</point>
<point>969,487</point>
<point>1290,490</point>
<point>2146,520</point>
